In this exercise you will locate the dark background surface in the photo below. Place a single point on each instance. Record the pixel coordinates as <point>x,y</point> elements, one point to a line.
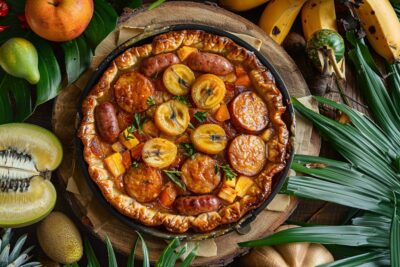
<point>308,211</point>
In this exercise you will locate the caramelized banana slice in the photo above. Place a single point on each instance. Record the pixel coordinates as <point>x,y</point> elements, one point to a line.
<point>172,117</point>
<point>178,78</point>
<point>209,138</point>
<point>208,91</point>
<point>159,153</point>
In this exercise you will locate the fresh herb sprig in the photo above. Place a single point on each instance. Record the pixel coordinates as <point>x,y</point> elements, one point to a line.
<point>174,175</point>
<point>190,151</point>
<point>181,98</point>
<point>229,173</point>
<point>150,101</point>
<point>200,116</point>
<point>135,164</point>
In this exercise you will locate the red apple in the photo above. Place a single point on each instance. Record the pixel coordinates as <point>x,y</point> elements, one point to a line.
<point>58,20</point>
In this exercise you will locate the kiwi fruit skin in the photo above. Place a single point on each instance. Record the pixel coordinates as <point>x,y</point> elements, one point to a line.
<point>60,239</point>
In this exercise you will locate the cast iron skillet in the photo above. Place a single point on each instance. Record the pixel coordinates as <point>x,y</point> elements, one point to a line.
<point>242,226</point>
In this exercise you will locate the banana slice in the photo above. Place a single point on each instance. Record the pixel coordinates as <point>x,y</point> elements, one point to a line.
<point>178,78</point>
<point>208,91</point>
<point>159,153</point>
<point>209,138</point>
<point>172,117</point>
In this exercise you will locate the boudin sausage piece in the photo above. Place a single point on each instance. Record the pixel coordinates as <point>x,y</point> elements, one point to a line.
<point>247,154</point>
<point>199,175</point>
<point>143,183</point>
<point>249,112</point>
<point>209,63</point>
<point>132,90</point>
<point>158,63</point>
<point>195,205</point>
<point>106,121</point>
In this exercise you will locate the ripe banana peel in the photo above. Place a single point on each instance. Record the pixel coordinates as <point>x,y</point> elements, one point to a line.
<point>382,27</point>
<point>241,5</point>
<point>279,16</point>
<point>317,15</point>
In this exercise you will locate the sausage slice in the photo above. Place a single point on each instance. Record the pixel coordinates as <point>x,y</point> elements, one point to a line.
<point>209,63</point>
<point>132,90</point>
<point>199,174</point>
<point>143,183</point>
<point>247,154</point>
<point>249,112</point>
<point>106,120</point>
<point>195,205</point>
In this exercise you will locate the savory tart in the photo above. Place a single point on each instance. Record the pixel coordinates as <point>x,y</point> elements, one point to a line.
<point>185,132</point>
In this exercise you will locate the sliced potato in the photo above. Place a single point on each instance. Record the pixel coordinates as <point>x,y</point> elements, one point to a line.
<point>178,78</point>
<point>209,138</point>
<point>208,91</point>
<point>159,152</point>
<point>172,117</point>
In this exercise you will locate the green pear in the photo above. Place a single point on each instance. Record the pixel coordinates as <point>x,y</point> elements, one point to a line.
<point>19,58</point>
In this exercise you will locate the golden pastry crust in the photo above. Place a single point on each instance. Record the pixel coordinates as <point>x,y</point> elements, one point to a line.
<point>264,85</point>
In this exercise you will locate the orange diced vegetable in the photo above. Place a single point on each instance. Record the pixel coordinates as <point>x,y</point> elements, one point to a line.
<point>126,159</point>
<point>136,152</point>
<point>243,185</point>
<point>114,164</point>
<point>222,113</point>
<point>151,129</point>
<point>118,147</point>
<point>243,80</point>
<point>229,78</point>
<point>227,193</point>
<point>128,139</point>
<point>185,51</point>
<point>168,195</point>
<point>240,71</point>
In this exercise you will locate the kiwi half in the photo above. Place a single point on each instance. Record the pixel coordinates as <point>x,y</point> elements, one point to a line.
<point>28,154</point>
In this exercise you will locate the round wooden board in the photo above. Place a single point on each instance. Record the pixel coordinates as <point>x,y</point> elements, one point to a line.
<point>64,116</point>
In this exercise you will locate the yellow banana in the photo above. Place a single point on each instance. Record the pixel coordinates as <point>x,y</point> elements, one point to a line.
<point>382,27</point>
<point>279,16</point>
<point>241,5</point>
<point>317,15</point>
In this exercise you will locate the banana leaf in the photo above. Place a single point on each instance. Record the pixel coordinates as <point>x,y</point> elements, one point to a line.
<point>394,82</point>
<point>369,259</point>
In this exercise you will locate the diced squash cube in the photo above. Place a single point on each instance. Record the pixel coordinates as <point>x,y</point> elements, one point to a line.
<point>128,139</point>
<point>114,164</point>
<point>118,147</point>
<point>239,70</point>
<point>168,195</point>
<point>243,80</point>
<point>222,113</point>
<point>151,129</point>
<point>227,193</point>
<point>185,51</point>
<point>243,185</point>
<point>136,152</point>
<point>267,134</point>
<point>126,159</point>
<point>230,182</point>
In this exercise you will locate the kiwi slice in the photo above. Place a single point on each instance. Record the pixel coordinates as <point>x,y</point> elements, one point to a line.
<point>28,154</point>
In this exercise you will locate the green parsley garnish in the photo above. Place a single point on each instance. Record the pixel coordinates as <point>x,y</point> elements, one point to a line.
<point>182,99</point>
<point>229,173</point>
<point>174,175</point>
<point>200,116</point>
<point>191,125</point>
<point>135,164</point>
<point>190,151</point>
<point>150,101</point>
<point>138,121</point>
<point>131,129</point>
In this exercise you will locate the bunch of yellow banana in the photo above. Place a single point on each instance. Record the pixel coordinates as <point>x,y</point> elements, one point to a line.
<point>382,27</point>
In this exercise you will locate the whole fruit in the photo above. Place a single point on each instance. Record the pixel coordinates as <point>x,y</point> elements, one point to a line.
<point>60,239</point>
<point>58,20</point>
<point>17,52</point>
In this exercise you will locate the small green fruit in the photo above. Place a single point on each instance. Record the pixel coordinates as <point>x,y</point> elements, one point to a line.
<point>19,58</point>
<point>60,239</point>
